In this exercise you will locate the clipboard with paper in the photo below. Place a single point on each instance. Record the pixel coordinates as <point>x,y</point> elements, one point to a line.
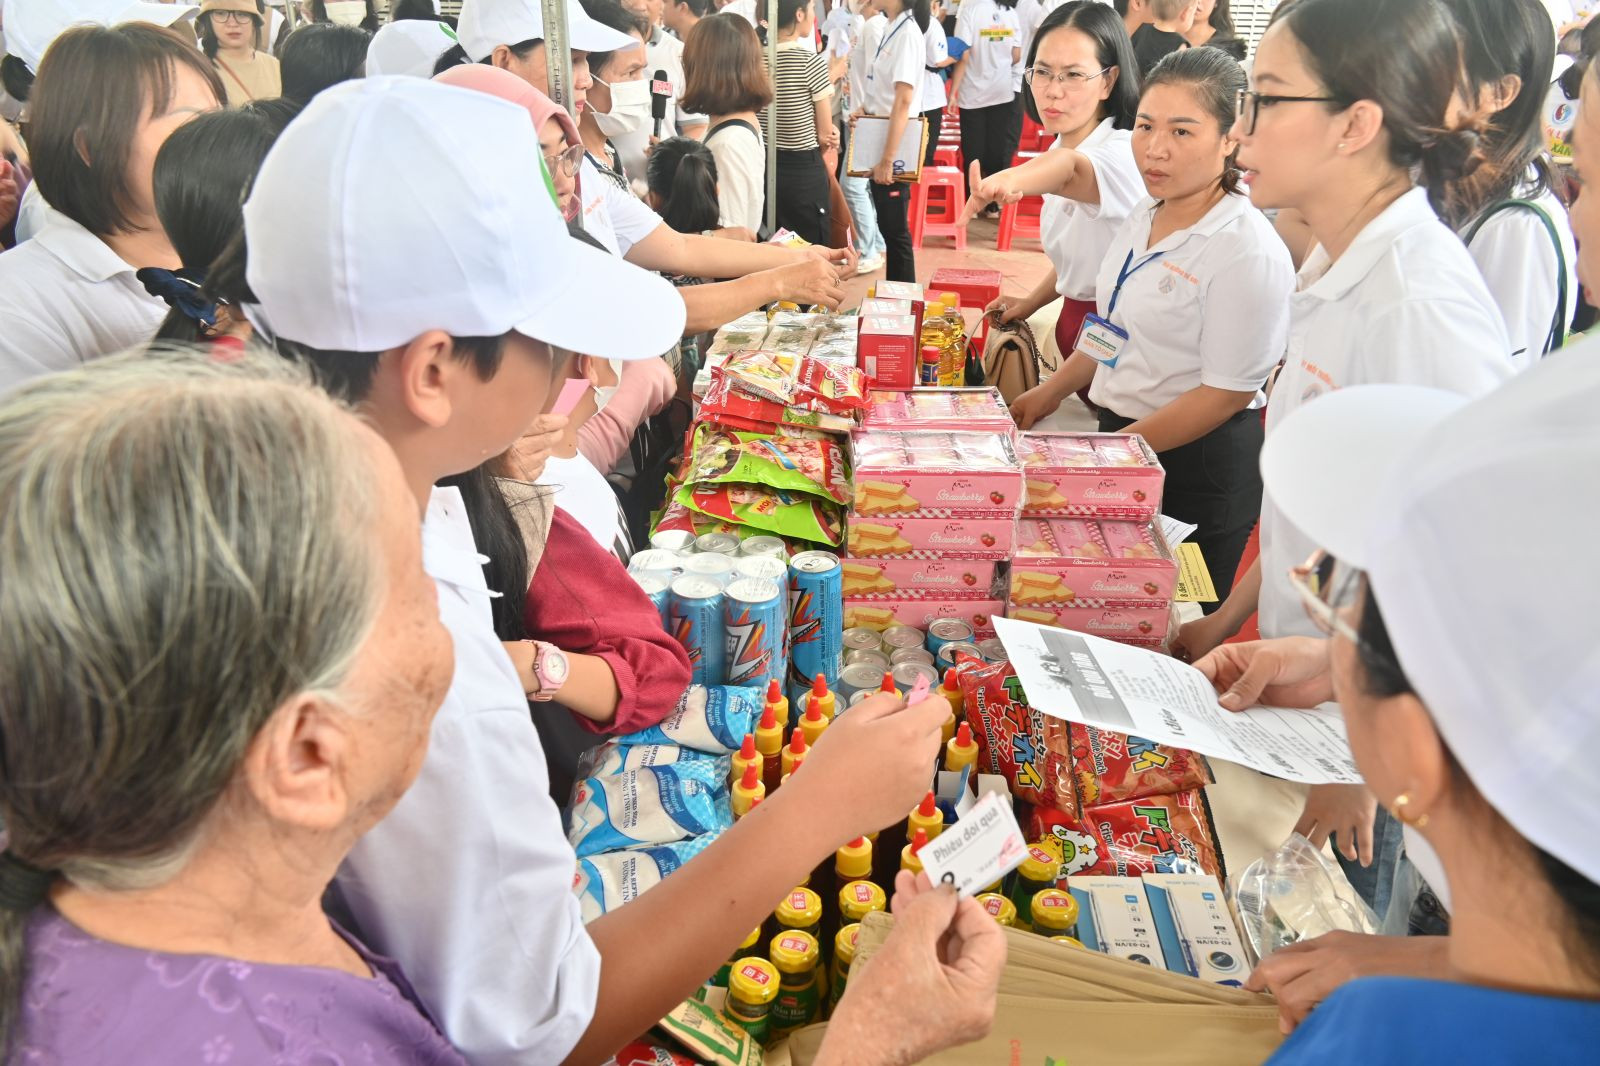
<point>868,137</point>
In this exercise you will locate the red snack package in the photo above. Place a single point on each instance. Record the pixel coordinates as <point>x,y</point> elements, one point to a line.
<point>640,1053</point>
<point>1158,834</point>
<point>1111,767</point>
<point>1014,740</point>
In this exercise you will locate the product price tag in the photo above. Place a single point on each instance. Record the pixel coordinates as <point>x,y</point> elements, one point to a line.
<point>978,850</point>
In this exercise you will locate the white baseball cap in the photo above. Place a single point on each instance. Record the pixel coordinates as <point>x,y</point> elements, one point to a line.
<point>1475,523</point>
<point>32,25</point>
<point>486,23</point>
<point>393,206</point>
<point>409,47</point>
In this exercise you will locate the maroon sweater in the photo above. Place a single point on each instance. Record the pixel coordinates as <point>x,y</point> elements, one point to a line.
<point>583,601</point>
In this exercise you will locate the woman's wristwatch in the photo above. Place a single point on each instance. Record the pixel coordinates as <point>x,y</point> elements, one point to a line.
<point>550,671</point>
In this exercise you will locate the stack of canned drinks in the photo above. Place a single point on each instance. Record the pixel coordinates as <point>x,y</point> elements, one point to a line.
<point>908,655</point>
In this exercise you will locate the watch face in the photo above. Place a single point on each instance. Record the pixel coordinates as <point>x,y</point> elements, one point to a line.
<point>554,667</point>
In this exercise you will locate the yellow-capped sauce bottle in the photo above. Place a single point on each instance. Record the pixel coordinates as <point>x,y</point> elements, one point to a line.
<point>799,1001</point>
<point>1055,913</point>
<point>844,955</point>
<point>720,978</point>
<point>1000,909</point>
<point>753,986</point>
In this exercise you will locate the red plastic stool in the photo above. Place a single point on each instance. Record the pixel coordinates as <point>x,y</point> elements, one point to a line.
<point>1019,220</point>
<point>1023,155</point>
<point>977,288</point>
<point>947,155</point>
<point>936,204</point>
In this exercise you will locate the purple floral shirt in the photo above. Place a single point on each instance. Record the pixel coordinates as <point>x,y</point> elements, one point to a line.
<point>88,1001</point>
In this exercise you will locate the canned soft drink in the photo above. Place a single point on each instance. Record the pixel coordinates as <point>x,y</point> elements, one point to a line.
<point>816,621</point>
<point>944,631</point>
<point>906,675</point>
<point>677,540</point>
<point>753,621</point>
<point>712,565</point>
<point>765,567</point>
<point>773,546</point>
<point>658,591</point>
<point>860,638</point>
<point>860,677</point>
<point>875,659</point>
<point>993,651</point>
<point>657,561</point>
<point>911,655</point>
<point>947,654</point>
<point>897,637</point>
<point>694,619</point>
<point>717,543</point>
<point>859,696</point>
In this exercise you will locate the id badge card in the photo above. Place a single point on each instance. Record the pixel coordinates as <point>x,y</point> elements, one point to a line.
<point>1101,341</point>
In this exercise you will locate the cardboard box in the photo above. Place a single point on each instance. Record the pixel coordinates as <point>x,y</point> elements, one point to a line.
<point>955,578</point>
<point>977,288</point>
<point>1115,919</point>
<point>900,290</point>
<point>886,350</point>
<point>1069,562</point>
<point>1090,475</point>
<point>935,474</point>
<point>1196,926</point>
<point>1142,627</point>
<point>920,610</point>
<point>879,307</point>
<point>968,537</point>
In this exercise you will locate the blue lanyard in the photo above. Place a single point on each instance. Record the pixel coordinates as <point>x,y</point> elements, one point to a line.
<point>900,24</point>
<point>1129,269</point>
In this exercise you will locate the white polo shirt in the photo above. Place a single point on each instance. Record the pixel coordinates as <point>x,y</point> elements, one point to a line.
<point>991,32</point>
<point>468,881</point>
<point>896,59</point>
<point>615,218</point>
<point>936,49</point>
<point>1209,306</point>
<point>66,298</point>
<point>866,33</point>
<point>1075,236</point>
<point>1404,304</point>
<point>1514,252</point>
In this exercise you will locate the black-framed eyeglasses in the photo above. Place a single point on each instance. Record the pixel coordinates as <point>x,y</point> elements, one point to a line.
<point>1249,105</point>
<point>1067,79</point>
<point>568,160</point>
<point>232,17</point>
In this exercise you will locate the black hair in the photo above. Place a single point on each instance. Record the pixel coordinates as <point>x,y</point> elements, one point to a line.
<point>401,10</point>
<point>320,56</point>
<point>1112,48</point>
<point>1221,20</point>
<point>701,8</point>
<point>277,112</point>
<point>15,77</point>
<point>921,10</point>
<point>319,14</point>
<point>1581,43</point>
<point>1216,78</point>
<point>201,173</point>
<point>1501,37</point>
<point>789,12</point>
<point>1007,4</point>
<point>208,33</point>
<point>612,14</point>
<point>1383,678</point>
<point>682,173</point>
<point>498,537</point>
<point>456,56</point>
<point>1410,68</point>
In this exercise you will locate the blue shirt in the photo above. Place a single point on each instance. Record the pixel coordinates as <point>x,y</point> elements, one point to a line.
<point>1400,1020</point>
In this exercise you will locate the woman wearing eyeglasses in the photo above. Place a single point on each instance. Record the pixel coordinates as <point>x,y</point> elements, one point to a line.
<point>1082,84</point>
<point>1192,304</point>
<point>230,34</point>
<point>1348,110</point>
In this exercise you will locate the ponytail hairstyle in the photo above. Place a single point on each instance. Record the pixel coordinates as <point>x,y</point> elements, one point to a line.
<point>1501,38</point>
<point>682,173</point>
<point>1216,79</point>
<point>922,11</point>
<point>1112,48</point>
<point>1402,55</point>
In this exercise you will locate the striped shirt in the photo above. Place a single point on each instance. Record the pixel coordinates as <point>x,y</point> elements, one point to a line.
<point>802,80</point>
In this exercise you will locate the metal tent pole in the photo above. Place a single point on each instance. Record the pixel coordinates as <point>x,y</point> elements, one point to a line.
<point>558,55</point>
<point>770,126</point>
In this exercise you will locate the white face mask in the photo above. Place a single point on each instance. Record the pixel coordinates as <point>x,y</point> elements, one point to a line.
<point>603,393</point>
<point>1426,860</point>
<point>346,12</point>
<point>630,107</point>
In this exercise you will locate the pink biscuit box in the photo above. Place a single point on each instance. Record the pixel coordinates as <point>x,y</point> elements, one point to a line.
<point>979,537</point>
<point>1145,627</point>
<point>935,473</point>
<point>886,350</point>
<point>1091,475</point>
<point>1067,560</point>
<point>970,410</point>
<point>949,577</point>
<point>921,611</point>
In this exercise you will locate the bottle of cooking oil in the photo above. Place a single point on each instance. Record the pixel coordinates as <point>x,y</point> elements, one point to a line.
<point>935,346</point>
<point>955,365</point>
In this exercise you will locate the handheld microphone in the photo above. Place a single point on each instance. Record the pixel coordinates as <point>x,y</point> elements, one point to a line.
<point>660,93</point>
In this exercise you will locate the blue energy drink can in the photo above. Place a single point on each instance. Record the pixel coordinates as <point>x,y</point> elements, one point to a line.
<point>694,619</point>
<point>816,622</point>
<point>656,588</point>
<point>753,620</point>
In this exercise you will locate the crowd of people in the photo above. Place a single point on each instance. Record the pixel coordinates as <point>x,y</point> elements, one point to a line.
<point>313,601</point>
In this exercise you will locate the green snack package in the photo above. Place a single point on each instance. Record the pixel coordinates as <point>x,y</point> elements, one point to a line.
<point>787,514</point>
<point>794,463</point>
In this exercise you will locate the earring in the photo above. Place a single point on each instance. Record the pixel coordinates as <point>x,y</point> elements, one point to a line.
<point>1401,802</point>
<point>1339,147</point>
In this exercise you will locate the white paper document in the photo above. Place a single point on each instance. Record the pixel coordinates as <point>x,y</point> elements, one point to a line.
<point>868,137</point>
<point>978,850</point>
<point>1144,693</point>
<point>1176,531</point>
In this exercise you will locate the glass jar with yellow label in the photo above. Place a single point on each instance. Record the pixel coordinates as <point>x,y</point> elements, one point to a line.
<point>1070,941</point>
<point>752,988</point>
<point>800,910</point>
<point>1000,909</point>
<point>799,1001</point>
<point>1037,873</point>
<point>720,979</point>
<point>1055,913</point>
<point>859,899</point>
<point>844,955</point>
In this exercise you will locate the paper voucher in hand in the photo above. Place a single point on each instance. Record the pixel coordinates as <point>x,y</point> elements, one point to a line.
<point>868,137</point>
<point>1131,690</point>
<point>978,850</point>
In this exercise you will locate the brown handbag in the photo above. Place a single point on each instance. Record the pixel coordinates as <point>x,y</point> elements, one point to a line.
<point>1012,362</point>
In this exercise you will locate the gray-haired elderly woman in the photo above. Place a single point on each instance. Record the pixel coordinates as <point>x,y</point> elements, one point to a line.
<point>200,712</point>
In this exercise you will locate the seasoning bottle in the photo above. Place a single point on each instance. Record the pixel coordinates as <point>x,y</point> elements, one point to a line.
<point>1070,941</point>
<point>962,751</point>
<point>927,816</point>
<point>950,689</point>
<point>844,955</point>
<point>752,987</point>
<point>777,701</point>
<point>853,862</point>
<point>747,791</point>
<point>797,749</point>
<point>801,911</point>
<point>769,743</point>
<point>827,702</point>
<point>799,1001</point>
<point>1000,909</point>
<point>859,899</point>
<point>813,722</point>
<point>1037,873</point>
<point>909,855</point>
<point>747,755</point>
<point>1055,912</point>
<point>720,978</point>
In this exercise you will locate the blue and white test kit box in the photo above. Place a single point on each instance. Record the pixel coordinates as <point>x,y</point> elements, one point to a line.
<point>1114,918</point>
<point>1196,928</point>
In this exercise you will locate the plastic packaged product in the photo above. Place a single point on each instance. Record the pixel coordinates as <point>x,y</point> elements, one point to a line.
<point>1157,834</point>
<point>797,381</point>
<point>788,514</point>
<point>606,881</point>
<point>722,403</point>
<point>1011,734</point>
<point>642,1053</point>
<point>1078,562</point>
<point>1112,767</point>
<point>1296,893</point>
<point>966,410</point>
<point>617,757</point>
<point>1095,475</point>
<point>935,473</point>
<point>730,341</point>
<point>655,805</point>
<point>920,609</point>
<point>676,518</point>
<point>885,576</point>
<point>707,719</point>
<point>983,537</point>
<point>817,467</point>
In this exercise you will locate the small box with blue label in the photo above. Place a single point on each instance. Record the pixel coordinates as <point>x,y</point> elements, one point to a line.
<point>1114,918</point>
<point>1196,927</point>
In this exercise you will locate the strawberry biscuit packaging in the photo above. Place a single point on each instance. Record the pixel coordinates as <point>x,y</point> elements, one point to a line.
<point>920,610</point>
<point>1157,834</point>
<point>969,537</point>
<point>1112,767</point>
<point>936,474</point>
<point>964,409</point>
<point>1074,562</point>
<point>1139,627</point>
<point>1092,475</point>
<point>865,576</point>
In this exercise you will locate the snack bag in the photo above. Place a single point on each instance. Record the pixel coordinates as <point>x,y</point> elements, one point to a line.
<point>675,516</point>
<point>795,463</point>
<point>654,805</point>
<point>614,757</point>
<point>721,403</point>
<point>1011,735</point>
<point>793,515</point>
<point>710,720</point>
<point>1158,834</point>
<point>642,1053</point>
<point>606,881</point>
<point>798,381</point>
<point>1112,767</point>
